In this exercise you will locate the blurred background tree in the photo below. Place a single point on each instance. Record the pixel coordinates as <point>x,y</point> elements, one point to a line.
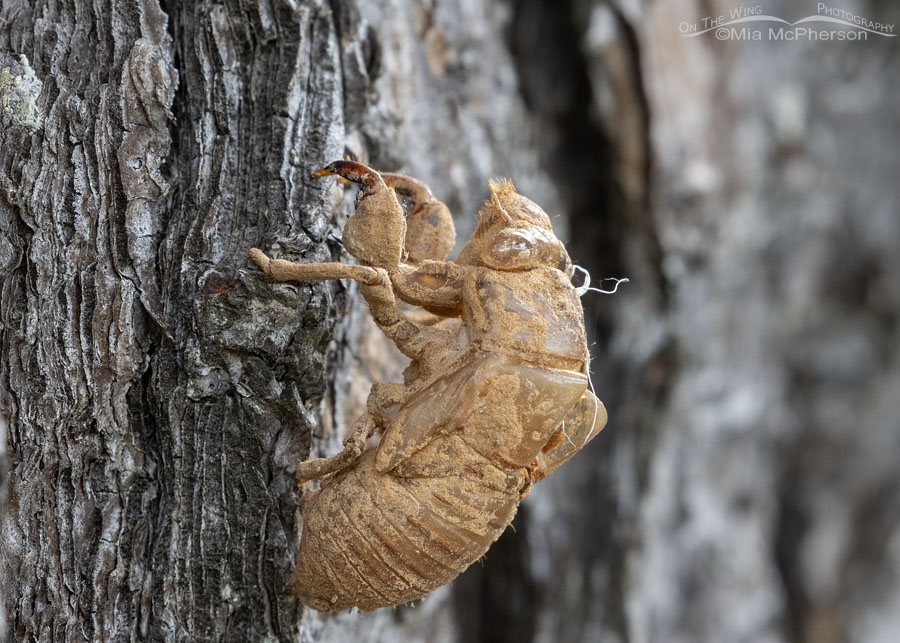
<point>746,487</point>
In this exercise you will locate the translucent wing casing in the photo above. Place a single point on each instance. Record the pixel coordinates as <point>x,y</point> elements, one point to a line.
<point>586,419</point>
<point>506,409</point>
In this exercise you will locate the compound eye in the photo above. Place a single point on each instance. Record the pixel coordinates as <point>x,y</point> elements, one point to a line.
<point>521,249</point>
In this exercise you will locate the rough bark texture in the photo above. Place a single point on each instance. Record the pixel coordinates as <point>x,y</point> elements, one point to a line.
<point>158,389</point>
<point>158,392</point>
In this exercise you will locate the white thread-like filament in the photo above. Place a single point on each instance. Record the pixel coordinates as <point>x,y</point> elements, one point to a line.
<point>586,286</point>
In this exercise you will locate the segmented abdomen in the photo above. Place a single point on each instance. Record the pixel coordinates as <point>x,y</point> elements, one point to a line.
<point>372,540</point>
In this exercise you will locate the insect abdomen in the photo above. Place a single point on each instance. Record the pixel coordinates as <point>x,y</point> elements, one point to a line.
<point>372,540</point>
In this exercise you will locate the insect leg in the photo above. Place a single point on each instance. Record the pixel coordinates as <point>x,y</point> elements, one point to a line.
<point>282,270</point>
<point>354,444</point>
<point>383,397</point>
<point>434,285</point>
<point>362,175</point>
<point>430,233</point>
<point>376,289</point>
<point>375,233</point>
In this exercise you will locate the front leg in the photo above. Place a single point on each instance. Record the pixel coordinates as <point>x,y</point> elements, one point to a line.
<point>430,233</point>
<point>374,234</point>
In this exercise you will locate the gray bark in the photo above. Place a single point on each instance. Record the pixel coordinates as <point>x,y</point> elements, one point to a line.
<point>158,389</point>
<point>158,392</point>
<point>746,487</point>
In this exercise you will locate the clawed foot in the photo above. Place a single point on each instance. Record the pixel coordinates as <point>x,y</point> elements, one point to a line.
<point>363,175</point>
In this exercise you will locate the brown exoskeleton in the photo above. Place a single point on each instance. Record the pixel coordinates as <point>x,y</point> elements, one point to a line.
<point>495,397</point>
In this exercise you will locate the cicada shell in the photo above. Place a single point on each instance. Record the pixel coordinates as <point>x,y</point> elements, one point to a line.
<point>496,396</point>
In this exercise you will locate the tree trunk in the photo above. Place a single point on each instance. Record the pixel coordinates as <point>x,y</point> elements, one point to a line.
<point>157,389</point>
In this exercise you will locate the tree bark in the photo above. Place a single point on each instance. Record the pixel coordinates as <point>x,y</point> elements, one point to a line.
<point>159,389</point>
<point>156,389</point>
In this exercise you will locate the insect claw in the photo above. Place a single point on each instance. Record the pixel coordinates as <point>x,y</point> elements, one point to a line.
<point>353,172</point>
